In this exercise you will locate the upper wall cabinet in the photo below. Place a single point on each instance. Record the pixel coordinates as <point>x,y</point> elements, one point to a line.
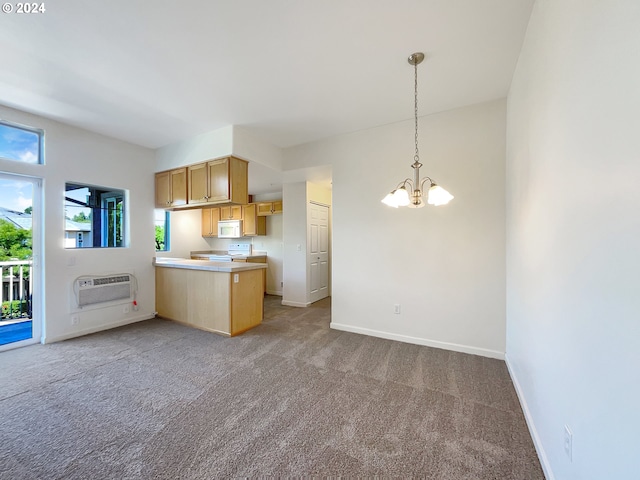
<point>269,208</point>
<point>252,224</point>
<point>171,188</point>
<point>224,180</point>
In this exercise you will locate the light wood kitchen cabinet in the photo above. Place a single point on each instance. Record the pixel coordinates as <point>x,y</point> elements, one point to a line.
<point>252,224</point>
<point>198,183</point>
<point>219,181</point>
<point>210,218</point>
<point>228,180</point>
<point>269,208</point>
<point>220,302</point>
<point>171,188</point>
<point>231,212</point>
<point>223,180</point>
<point>256,259</point>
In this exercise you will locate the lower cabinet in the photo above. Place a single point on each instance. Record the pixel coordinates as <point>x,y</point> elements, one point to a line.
<point>211,301</point>
<point>257,259</point>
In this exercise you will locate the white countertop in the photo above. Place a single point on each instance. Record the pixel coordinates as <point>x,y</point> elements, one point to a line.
<point>227,267</point>
<point>203,253</point>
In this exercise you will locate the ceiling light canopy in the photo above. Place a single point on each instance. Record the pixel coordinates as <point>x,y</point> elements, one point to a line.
<point>408,193</point>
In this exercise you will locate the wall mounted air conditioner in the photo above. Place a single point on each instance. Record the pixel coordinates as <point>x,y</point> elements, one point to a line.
<point>90,290</point>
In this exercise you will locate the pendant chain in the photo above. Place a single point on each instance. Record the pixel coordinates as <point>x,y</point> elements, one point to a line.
<point>415,66</point>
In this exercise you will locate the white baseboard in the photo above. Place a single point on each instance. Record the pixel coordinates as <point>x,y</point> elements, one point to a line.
<point>90,330</point>
<point>544,461</point>
<point>484,352</point>
<point>274,292</point>
<point>295,304</point>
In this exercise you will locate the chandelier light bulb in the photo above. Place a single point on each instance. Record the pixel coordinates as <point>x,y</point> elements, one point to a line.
<point>390,200</point>
<point>401,197</point>
<point>438,195</point>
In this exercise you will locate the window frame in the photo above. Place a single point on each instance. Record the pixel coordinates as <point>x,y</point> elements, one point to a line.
<point>101,197</point>
<point>26,128</point>
<point>167,231</point>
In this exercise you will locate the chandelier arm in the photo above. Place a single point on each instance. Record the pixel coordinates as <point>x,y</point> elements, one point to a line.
<point>405,182</point>
<point>431,182</point>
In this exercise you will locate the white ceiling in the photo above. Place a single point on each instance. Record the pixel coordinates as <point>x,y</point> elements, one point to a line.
<point>153,72</point>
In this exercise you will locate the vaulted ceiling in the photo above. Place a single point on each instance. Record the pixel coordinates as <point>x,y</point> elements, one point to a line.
<point>155,72</point>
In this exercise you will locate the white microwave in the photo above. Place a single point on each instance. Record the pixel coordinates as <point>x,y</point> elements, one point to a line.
<point>230,229</point>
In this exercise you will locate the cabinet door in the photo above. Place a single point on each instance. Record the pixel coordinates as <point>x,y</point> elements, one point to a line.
<point>163,190</point>
<point>264,208</point>
<point>249,218</point>
<point>198,183</point>
<point>210,217</point>
<point>269,208</point>
<point>277,207</point>
<point>252,224</point>
<point>171,188</point>
<point>218,180</point>
<point>238,181</point>
<point>231,212</point>
<point>178,187</point>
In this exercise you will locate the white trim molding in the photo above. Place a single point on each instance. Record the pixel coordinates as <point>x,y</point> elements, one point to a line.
<point>542,456</point>
<point>484,352</point>
<point>295,304</point>
<point>100,328</point>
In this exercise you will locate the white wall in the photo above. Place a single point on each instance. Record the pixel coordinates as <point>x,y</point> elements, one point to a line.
<point>273,244</point>
<point>573,262</point>
<point>445,266</point>
<point>186,234</point>
<point>294,234</point>
<point>214,144</point>
<point>73,154</point>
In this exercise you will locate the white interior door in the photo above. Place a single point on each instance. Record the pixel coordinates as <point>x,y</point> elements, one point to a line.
<point>318,257</point>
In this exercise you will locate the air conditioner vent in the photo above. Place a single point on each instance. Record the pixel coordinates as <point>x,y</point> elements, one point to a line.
<point>94,289</point>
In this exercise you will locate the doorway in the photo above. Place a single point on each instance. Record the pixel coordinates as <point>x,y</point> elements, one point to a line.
<point>318,257</point>
<point>20,233</point>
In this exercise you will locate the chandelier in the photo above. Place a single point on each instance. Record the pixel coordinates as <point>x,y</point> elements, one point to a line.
<point>408,193</point>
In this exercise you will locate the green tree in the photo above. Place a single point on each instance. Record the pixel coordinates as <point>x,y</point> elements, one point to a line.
<point>159,238</point>
<point>15,243</point>
<point>28,210</point>
<point>81,218</point>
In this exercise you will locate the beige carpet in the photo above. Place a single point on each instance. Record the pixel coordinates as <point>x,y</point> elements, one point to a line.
<point>289,398</point>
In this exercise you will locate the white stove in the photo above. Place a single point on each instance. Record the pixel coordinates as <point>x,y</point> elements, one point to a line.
<point>234,250</point>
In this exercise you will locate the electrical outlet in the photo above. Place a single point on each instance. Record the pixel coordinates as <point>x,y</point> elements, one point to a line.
<point>75,320</point>
<point>568,442</point>
<point>236,278</point>
<point>396,309</point>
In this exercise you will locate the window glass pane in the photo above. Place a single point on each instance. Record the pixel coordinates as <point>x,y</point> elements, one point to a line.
<point>20,144</point>
<point>94,216</point>
<point>161,218</point>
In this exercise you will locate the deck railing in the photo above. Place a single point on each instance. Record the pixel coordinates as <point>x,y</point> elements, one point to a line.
<point>15,294</point>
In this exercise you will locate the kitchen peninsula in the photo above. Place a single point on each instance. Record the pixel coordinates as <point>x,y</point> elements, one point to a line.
<point>221,297</point>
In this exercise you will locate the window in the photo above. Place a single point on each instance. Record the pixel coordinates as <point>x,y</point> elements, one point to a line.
<point>94,216</point>
<point>21,144</point>
<point>162,230</point>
